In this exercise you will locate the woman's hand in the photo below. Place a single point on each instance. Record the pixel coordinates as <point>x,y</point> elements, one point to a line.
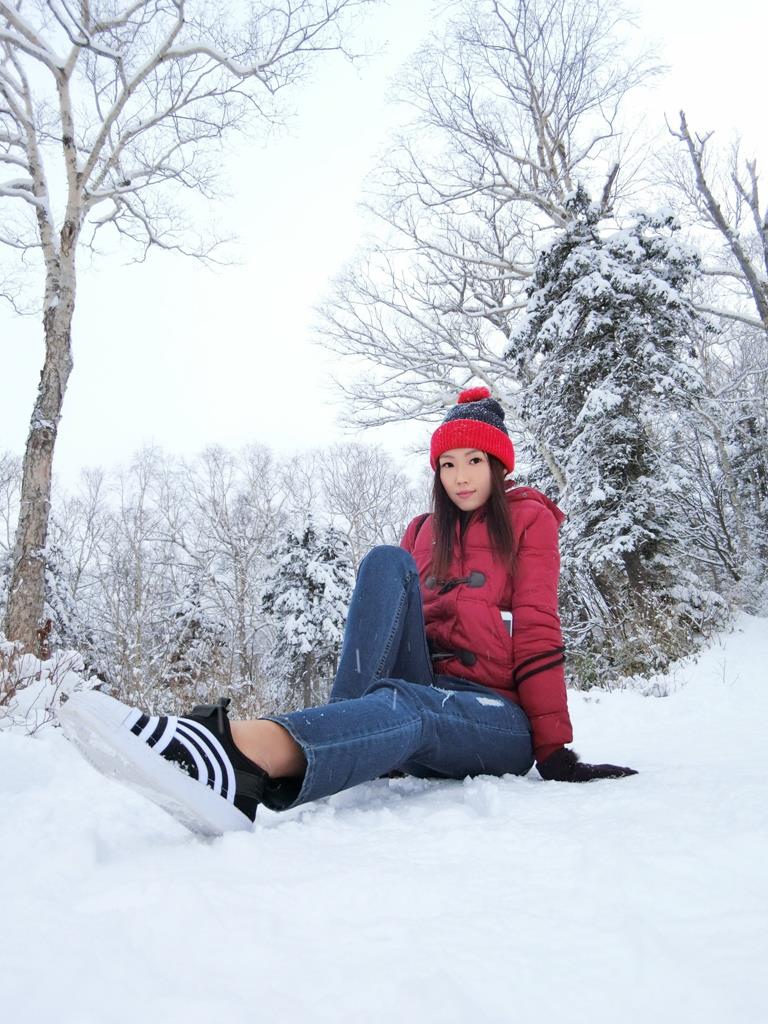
<point>564,766</point>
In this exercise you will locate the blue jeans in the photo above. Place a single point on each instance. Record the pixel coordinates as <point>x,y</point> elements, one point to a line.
<point>388,711</point>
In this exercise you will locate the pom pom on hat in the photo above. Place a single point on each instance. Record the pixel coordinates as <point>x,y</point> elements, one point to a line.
<point>476,421</point>
<point>473,395</point>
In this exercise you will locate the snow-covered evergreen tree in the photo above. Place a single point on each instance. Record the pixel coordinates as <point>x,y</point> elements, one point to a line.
<point>65,626</point>
<point>307,595</point>
<point>62,624</point>
<point>605,350</point>
<point>194,642</point>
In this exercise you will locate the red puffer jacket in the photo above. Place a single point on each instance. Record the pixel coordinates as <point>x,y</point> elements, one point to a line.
<point>466,621</point>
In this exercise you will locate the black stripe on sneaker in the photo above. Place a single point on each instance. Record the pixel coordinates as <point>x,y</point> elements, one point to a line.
<point>141,723</point>
<point>167,736</point>
<point>194,743</point>
<point>157,732</point>
<point>199,752</point>
<point>179,754</point>
<point>227,772</point>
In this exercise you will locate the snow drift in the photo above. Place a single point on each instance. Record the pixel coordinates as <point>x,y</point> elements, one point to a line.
<point>490,899</point>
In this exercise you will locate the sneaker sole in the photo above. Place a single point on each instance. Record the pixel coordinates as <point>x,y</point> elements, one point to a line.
<point>94,723</point>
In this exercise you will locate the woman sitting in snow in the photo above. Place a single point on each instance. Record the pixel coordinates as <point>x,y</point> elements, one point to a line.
<point>452,664</point>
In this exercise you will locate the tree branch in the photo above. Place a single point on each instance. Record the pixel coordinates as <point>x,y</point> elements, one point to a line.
<point>757,287</point>
<point>729,315</point>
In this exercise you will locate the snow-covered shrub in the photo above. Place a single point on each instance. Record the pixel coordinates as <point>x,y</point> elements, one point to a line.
<point>605,348</point>
<point>31,689</point>
<point>307,595</point>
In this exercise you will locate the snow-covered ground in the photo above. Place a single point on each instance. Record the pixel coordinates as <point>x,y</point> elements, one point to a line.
<point>642,899</point>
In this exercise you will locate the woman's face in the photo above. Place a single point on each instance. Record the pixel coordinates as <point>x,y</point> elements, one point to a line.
<point>465,473</point>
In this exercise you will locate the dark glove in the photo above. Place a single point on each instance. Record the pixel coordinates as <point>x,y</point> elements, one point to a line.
<point>564,766</point>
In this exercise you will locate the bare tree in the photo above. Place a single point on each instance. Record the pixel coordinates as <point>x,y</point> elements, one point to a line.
<point>231,520</point>
<point>299,480</point>
<point>725,196</point>
<point>107,109</point>
<point>513,106</point>
<point>724,449</point>
<point>10,485</point>
<point>82,522</point>
<point>364,490</point>
<point>720,190</point>
<point>116,569</point>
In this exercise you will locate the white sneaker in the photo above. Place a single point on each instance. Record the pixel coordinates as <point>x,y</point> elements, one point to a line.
<point>189,766</point>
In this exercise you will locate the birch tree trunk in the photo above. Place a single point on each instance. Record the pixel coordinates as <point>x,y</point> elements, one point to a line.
<point>26,596</point>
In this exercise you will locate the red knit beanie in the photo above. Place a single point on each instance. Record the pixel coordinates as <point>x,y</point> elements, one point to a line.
<point>476,422</point>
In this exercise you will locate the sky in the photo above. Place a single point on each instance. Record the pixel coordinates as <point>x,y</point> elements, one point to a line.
<point>174,354</point>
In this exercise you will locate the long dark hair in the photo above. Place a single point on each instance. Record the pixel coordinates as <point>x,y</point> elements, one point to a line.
<point>445,515</point>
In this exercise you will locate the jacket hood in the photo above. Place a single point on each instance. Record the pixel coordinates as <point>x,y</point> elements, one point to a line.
<point>531,494</point>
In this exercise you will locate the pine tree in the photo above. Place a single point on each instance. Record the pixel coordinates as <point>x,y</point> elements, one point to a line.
<point>61,623</point>
<point>194,642</point>
<point>306,595</point>
<point>605,346</point>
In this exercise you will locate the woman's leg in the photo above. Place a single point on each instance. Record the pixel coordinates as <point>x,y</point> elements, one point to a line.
<point>384,636</point>
<point>471,732</point>
<point>425,730</point>
<point>192,767</point>
<point>269,746</point>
